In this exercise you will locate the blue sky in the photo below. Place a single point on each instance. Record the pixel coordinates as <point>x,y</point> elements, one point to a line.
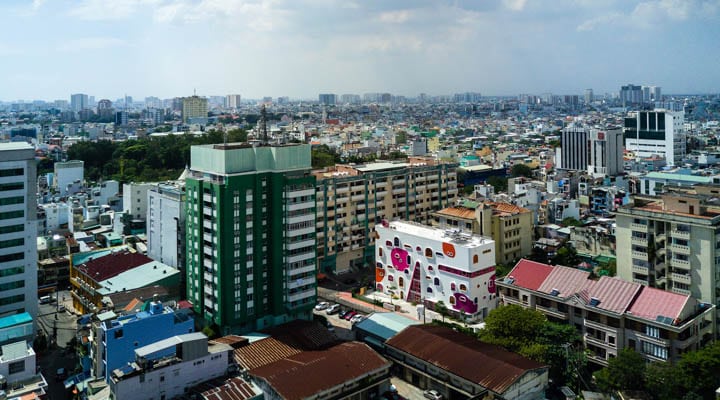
<point>298,48</point>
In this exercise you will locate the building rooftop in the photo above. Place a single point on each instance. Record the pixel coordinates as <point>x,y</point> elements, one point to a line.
<point>528,274</point>
<point>485,364</point>
<point>139,276</point>
<point>308,373</point>
<point>7,146</point>
<point>112,264</point>
<point>461,239</point>
<point>234,388</point>
<point>385,324</point>
<point>457,212</point>
<point>652,303</point>
<point>172,341</point>
<point>15,319</point>
<point>14,351</point>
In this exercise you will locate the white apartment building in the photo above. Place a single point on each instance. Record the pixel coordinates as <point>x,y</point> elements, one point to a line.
<point>166,225</point>
<point>657,132</point>
<point>606,151</point>
<point>135,199</point>
<point>672,243</point>
<point>427,265</point>
<point>18,229</point>
<point>152,377</point>
<point>233,101</point>
<point>66,174</point>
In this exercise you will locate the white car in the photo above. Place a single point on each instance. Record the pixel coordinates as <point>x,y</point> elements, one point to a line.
<point>432,395</point>
<point>333,309</point>
<point>322,305</point>
<point>357,318</point>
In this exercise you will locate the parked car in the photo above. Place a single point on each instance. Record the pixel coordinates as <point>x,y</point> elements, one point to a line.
<point>432,394</point>
<point>349,315</point>
<point>343,313</point>
<point>322,305</point>
<point>333,309</point>
<point>357,318</point>
<point>61,308</point>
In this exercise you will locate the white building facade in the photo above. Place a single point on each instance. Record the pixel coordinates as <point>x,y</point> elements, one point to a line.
<point>165,225</point>
<point>67,173</point>
<point>427,265</point>
<point>657,132</point>
<point>606,152</point>
<point>135,199</point>
<point>18,229</point>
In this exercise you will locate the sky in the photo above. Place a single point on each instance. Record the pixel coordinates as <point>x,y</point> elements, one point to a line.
<point>299,48</point>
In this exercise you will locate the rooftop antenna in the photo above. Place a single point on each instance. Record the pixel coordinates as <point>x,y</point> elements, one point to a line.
<point>263,124</point>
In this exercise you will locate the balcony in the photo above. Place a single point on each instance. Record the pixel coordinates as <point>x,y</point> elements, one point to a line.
<point>342,190</point>
<point>590,339</point>
<point>301,193</point>
<point>301,270</point>
<point>301,295</point>
<point>358,197</point>
<point>661,237</point>
<point>597,359</point>
<point>680,278</point>
<point>301,206</point>
<point>512,300</point>
<point>681,291</point>
<point>682,264</point>
<point>683,344</point>
<point>640,281</point>
<point>676,248</point>
<point>661,281</point>
<point>680,234</point>
<point>301,244</point>
<point>638,227</point>
<point>654,340</point>
<point>639,241</point>
<point>553,312</point>
<point>599,325</point>
<point>638,269</point>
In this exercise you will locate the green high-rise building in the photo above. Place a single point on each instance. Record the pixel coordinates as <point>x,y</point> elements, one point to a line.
<point>251,242</point>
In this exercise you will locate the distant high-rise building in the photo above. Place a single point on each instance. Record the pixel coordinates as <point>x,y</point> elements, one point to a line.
<point>658,132</point>
<point>251,241</point>
<point>79,101</point>
<point>153,102</point>
<point>606,151</point>
<point>655,93</point>
<point>574,154</point>
<point>194,110</point>
<point>350,99</point>
<point>588,96</point>
<point>283,100</point>
<point>232,101</point>
<point>631,94</point>
<point>105,110</point>
<point>327,99</point>
<point>646,94</point>
<point>18,229</point>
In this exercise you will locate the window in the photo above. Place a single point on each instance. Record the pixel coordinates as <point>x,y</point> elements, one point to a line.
<point>452,300</point>
<point>428,252</point>
<point>463,287</point>
<point>380,252</point>
<point>436,281</point>
<point>401,282</point>
<point>654,350</point>
<point>396,241</point>
<point>118,334</point>
<point>16,367</point>
<point>476,259</point>
<point>653,331</point>
<point>452,285</point>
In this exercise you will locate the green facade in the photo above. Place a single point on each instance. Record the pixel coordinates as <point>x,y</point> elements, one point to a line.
<point>236,228</point>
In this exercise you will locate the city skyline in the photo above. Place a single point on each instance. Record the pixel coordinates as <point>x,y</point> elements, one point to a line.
<point>168,48</point>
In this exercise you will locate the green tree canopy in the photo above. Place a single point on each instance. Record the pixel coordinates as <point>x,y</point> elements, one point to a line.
<point>521,170</point>
<point>624,372</point>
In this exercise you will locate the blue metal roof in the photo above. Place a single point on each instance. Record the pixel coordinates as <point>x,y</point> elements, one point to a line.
<point>385,325</point>
<point>15,319</point>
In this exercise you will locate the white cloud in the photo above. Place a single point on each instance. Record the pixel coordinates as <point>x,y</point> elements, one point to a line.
<point>36,4</point>
<point>649,14</point>
<point>90,43</point>
<point>515,5</point>
<point>395,17</point>
<point>102,10</point>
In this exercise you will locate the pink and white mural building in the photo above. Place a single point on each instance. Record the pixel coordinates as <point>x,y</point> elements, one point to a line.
<point>425,265</point>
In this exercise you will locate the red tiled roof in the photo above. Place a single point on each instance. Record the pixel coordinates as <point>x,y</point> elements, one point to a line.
<point>508,208</point>
<point>485,364</point>
<point>652,303</point>
<point>530,274</point>
<point>263,352</point>
<point>133,304</point>
<point>111,265</point>
<point>311,372</point>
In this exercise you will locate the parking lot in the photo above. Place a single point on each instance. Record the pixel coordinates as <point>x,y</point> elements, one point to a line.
<point>340,321</point>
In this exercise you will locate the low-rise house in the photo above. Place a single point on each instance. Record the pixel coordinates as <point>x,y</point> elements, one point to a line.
<point>610,313</point>
<point>460,366</point>
<point>170,368</point>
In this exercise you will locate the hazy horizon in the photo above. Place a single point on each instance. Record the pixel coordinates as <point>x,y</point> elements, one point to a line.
<point>299,48</point>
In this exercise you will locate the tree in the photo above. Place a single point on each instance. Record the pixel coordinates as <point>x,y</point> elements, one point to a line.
<point>498,183</point>
<point>521,170</point>
<point>512,327</point>
<point>539,255</point>
<point>663,381</point>
<point>700,370</point>
<point>567,256</point>
<point>442,309</point>
<point>570,221</point>
<point>624,372</point>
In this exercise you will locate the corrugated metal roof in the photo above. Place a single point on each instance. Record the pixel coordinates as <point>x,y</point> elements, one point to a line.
<point>567,281</point>
<point>458,212</point>
<point>529,274</point>
<point>13,351</point>
<point>385,325</point>
<point>310,372</point>
<point>652,303</point>
<point>235,388</point>
<point>487,365</point>
<point>615,294</point>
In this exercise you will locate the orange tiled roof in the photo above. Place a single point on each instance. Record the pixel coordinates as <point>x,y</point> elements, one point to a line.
<point>458,212</point>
